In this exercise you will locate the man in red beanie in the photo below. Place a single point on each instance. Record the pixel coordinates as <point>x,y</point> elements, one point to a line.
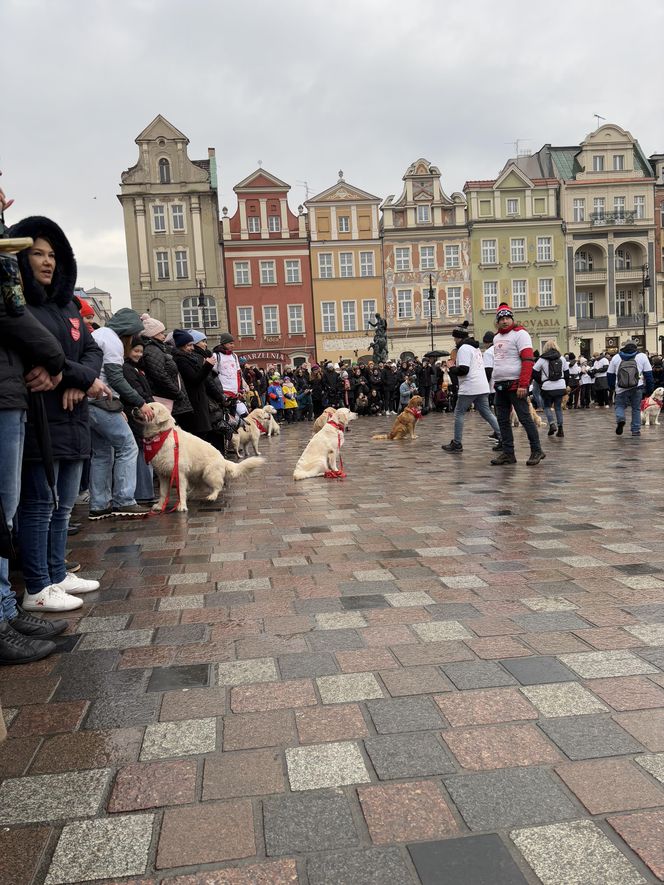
<point>512,369</point>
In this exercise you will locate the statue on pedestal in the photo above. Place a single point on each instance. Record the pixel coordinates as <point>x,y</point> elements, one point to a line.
<point>379,343</point>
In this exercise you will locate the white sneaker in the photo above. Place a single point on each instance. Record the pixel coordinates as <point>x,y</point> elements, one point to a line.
<point>73,584</point>
<point>50,599</point>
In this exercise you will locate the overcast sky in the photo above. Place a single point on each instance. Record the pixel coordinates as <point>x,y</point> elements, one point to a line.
<point>308,88</point>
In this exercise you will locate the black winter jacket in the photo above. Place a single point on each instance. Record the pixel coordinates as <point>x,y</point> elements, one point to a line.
<point>55,309</point>
<point>24,344</point>
<point>136,379</point>
<point>194,370</point>
<point>163,376</point>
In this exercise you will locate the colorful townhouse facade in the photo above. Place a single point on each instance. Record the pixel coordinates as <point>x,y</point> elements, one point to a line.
<point>346,269</point>
<point>268,274</point>
<point>426,262</point>
<point>517,250</point>
<point>657,273</point>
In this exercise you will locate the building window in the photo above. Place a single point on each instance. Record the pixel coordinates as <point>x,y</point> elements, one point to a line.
<point>163,272</point>
<point>485,208</point>
<point>164,171</point>
<point>325,265</point>
<point>624,302</point>
<point>429,305</point>
<point>519,293</point>
<point>177,217</point>
<point>518,250</point>
<point>579,210</point>
<point>454,301</point>
<point>583,261</point>
<point>270,319</point>
<point>405,304</point>
<point>274,223</point>
<point>639,207</point>
<point>343,224</point>
<point>268,273</point>
<point>618,162</point>
<point>349,316</point>
<point>489,252</point>
<point>328,311</point>
<point>539,206</point>
<point>423,214</point>
<point>181,264</point>
<point>366,264</point>
<point>295,319</point>
<point>254,224</point>
<point>623,259</point>
<point>545,292</point>
<point>490,293</point>
<point>544,249</point>
<point>241,273</point>
<point>599,208</point>
<point>196,317</point>
<point>345,264</point>
<point>619,208</point>
<point>585,305</point>
<point>427,257</point>
<point>293,274</point>
<point>158,219</point>
<point>368,312</point>
<point>245,320</point>
<point>452,258</point>
<point>512,207</point>
<point>402,259</point>
<point>598,163</point>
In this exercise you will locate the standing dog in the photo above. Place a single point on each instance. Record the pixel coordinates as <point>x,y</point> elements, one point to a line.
<point>199,463</point>
<point>651,406</point>
<point>247,436</point>
<point>322,453</point>
<point>273,428</point>
<point>404,424</point>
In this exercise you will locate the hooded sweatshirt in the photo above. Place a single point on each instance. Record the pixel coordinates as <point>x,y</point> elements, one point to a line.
<point>630,352</point>
<point>542,371</point>
<point>55,309</point>
<point>125,322</point>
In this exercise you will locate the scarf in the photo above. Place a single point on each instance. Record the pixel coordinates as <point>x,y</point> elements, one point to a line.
<point>152,446</point>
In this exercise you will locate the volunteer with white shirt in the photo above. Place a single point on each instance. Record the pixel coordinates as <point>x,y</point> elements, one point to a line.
<point>551,371</point>
<point>229,372</point>
<point>630,375</point>
<point>599,369</point>
<point>473,388</point>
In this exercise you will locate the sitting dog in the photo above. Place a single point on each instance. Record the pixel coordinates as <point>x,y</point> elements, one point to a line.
<point>404,424</point>
<point>248,434</point>
<point>322,453</point>
<point>322,419</point>
<point>199,463</point>
<point>273,428</point>
<point>651,406</point>
<point>533,414</point>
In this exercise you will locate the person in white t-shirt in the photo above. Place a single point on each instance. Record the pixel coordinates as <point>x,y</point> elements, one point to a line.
<point>599,368</point>
<point>630,375</point>
<point>473,388</point>
<point>551,371</point>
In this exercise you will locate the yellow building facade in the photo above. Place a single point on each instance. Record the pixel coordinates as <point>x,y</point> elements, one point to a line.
<point>346,269</point>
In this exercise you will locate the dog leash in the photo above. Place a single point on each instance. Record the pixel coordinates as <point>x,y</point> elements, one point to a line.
<point>154,444</point>
<point>337,474</point>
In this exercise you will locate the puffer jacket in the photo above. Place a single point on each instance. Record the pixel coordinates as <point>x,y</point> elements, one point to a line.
<point>56,310</point>
<point>163,376</point>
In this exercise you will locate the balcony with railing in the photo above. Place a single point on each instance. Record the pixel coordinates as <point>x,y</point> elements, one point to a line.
<point>631,320</point>
<point>592,324</point>
<point>615,219</point>
<point>585,274</point>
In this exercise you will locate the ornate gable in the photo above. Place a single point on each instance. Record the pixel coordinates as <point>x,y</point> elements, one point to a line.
<point>262,180</point>
<point>161,128</point>
<point>342,192</point>
<point>512,178</point>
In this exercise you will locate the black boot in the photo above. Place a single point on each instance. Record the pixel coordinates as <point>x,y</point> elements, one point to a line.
<point>36,628</point>
<point>561,432</point>
<point>453,446</point>
<point>18,649</point>
<point>504,458</point>
<point>535,458</point>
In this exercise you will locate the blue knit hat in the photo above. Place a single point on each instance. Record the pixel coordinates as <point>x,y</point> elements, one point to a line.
<point>180,337</point>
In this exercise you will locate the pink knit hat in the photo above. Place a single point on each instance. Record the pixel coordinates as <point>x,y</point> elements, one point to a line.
<point>151,326</point>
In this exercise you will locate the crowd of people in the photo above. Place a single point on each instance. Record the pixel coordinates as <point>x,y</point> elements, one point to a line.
<point>73,397</point>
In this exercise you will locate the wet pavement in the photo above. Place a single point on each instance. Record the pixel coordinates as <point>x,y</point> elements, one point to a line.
<point>433,671</point>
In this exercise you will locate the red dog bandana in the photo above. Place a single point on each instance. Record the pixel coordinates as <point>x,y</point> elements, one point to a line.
<point>416,412</point>
<point>153,445</point>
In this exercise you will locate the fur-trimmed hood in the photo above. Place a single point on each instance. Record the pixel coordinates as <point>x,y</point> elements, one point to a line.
<point>61,290</point>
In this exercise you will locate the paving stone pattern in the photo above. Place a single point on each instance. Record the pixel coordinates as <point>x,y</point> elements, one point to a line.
<point>400,677</point>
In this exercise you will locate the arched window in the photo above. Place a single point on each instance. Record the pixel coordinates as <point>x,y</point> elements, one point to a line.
<point>164,171</point>
<point>623,259</point>
<point>157,309</point>
<point>196,317</point>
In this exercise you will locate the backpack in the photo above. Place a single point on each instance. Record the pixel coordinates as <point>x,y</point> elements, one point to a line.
<point>555,370</point>
<point>628,374</point>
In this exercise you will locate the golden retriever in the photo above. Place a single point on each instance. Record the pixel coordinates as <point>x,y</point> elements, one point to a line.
<point>322,419</point>
<point>199,463</point>
<point>651,406</point>
<point>405,422</point>
<point>533,414</point>
<point>273,428</point>
<point>322,451</point>
<point>247,437</point>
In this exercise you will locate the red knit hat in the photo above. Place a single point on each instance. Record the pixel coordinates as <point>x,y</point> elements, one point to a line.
<point>504,310</point>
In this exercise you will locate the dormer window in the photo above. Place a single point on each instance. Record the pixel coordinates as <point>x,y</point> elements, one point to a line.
<point>253,224</point>
<point>424,214</point>
<point>164,171</point>
<point>598,163</point>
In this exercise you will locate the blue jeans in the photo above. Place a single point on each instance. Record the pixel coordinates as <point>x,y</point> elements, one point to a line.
<point>43,526</point>
<point>630,398</point>
<point>113,462</point>
<point>464,402</point>
<point>12,434</point>
<point>555,399</point>
<point>144,483</point>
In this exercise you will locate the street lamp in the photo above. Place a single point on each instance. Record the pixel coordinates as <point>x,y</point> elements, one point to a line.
<point>201,305</point>
<point>431,299</point>
<point>645,285</point>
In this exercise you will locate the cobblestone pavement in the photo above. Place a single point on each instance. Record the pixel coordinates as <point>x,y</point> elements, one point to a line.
<point>404,676</point>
